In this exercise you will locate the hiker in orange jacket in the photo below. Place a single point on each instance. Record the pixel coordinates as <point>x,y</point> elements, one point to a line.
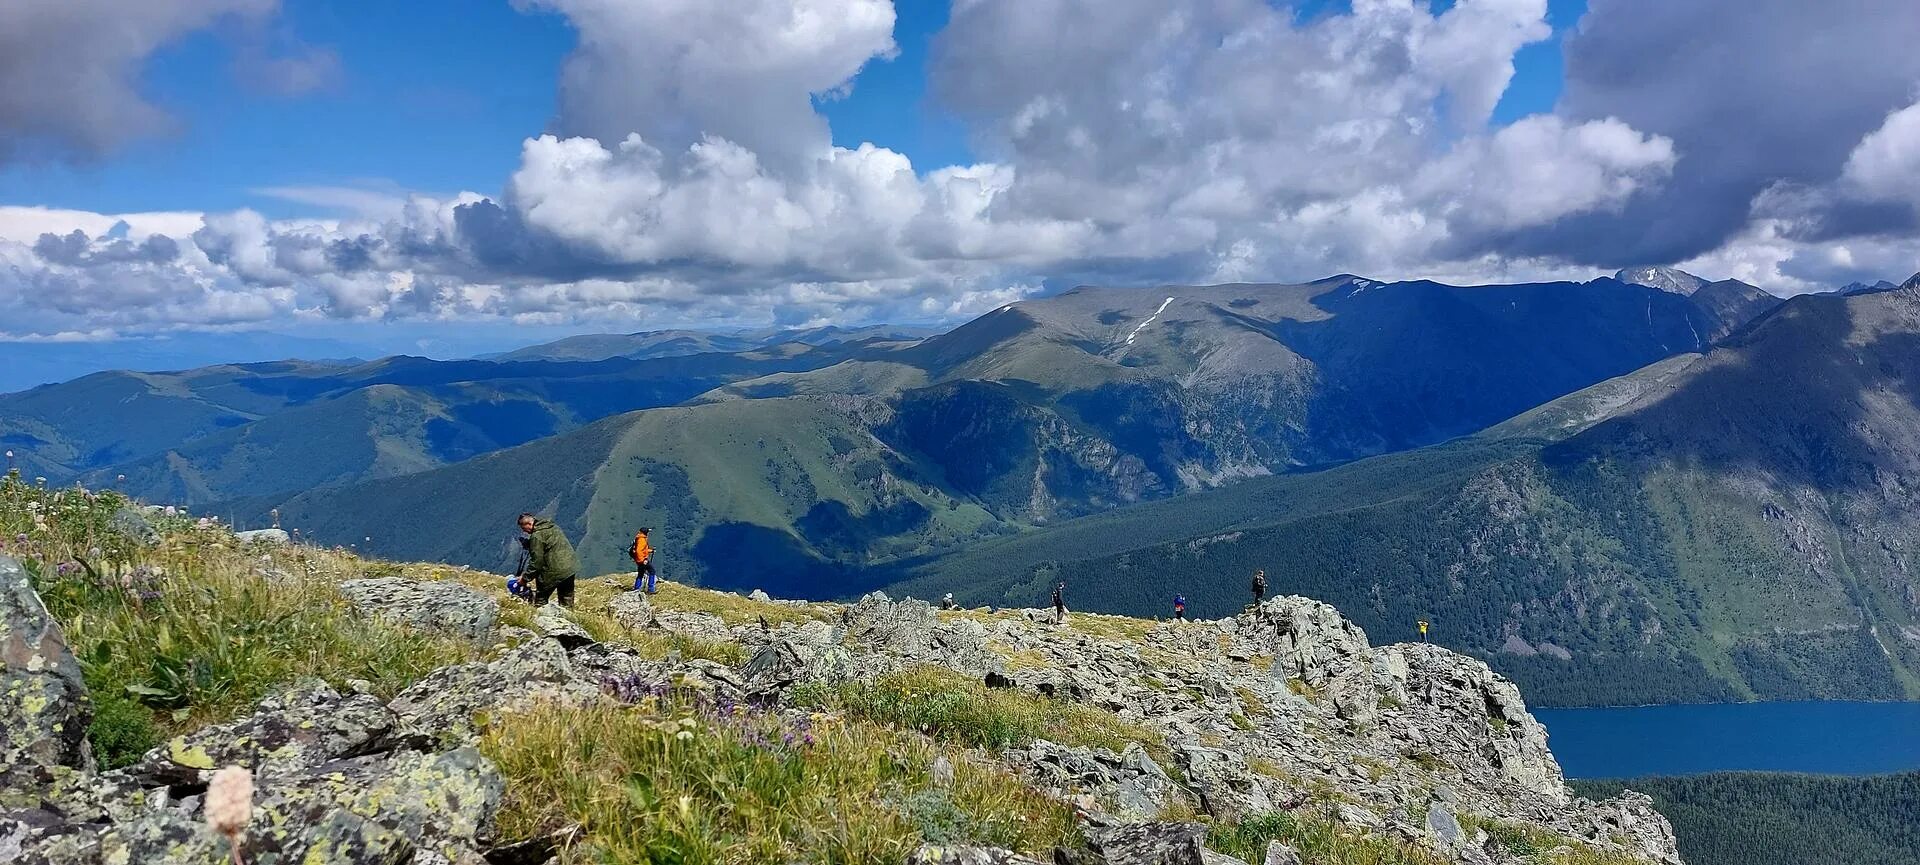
<point>642,553</point>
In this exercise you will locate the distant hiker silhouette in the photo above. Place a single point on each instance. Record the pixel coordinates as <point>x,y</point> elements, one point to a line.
<point>550,560</point>
<point>1259,587</point>
<point>1180,607</point>
<point>642,553</point>
<point>1060,604</point>
<point>947,603</point>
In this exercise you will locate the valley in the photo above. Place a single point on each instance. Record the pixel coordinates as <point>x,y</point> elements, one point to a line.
<point>1552,474</point>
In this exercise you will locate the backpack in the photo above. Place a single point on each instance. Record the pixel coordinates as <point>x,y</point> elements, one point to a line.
<point>640,551</point>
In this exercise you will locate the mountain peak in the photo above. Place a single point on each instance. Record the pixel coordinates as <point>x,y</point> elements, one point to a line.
<point>1912,283</point>
<point>1853,288</point>
<point>1668,279</point>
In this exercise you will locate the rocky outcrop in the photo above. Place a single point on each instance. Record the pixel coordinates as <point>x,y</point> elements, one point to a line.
<point>333,785</point>
<point>446,607</point>
<point>554,625</point>
<point>1271,711</point>
<point>44,709</point>
<point>270,537</point>
<point>1129,785</point>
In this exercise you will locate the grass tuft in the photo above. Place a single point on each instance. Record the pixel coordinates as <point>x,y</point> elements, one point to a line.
<point>952,708</point>
<point>1318,838</point>
<point>182,625</point>
<point>663,782</point>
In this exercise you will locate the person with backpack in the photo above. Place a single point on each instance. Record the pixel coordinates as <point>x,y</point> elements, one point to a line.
<point>520,585</point>
<point>1180,607</point>
<point>642,553</point>
<point>1259,587</point>
<point>550,560</point>
<point>1060,604</point>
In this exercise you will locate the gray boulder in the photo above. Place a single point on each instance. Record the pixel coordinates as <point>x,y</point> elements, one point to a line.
<point>302,727</point>
<point>271,537</point>
<point>1150,844</point>
<point>1130,784</point>
<point>632,610</point>
<point>442,803</point>
<point>446,607</point>
<point>1228,789</point>
<point>44,710</point>
<point>798,655</point>
<point>1444,826</point>
<point>932,854</point>
<point>1280,854</point>
<point>1309,640</point>
<point>442,705</point>
<point>554,624</point>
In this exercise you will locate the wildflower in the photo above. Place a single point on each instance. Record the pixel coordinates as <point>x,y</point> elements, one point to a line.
<point>170,510</point>
<point>230,804</point>
<point>684,735</point>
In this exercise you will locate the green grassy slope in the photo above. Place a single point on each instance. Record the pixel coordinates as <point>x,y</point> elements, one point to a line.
<point>783,494</point>
<point>1776,819</point>
<point>211,435</point>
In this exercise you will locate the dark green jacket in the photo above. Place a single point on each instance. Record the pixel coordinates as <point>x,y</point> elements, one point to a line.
<point>549,556</point>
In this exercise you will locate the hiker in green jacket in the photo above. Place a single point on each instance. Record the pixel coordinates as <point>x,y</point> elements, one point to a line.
<point>550,560</point>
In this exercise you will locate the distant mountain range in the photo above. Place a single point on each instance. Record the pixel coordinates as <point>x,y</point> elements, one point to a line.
<point>1734,525</point>
<point>221,433</point>
<point>817,481</point>
<point>647,345</point>
<point>1650,487</point>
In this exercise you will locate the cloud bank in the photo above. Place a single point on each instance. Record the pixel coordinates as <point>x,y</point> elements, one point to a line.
<point>688,178</point>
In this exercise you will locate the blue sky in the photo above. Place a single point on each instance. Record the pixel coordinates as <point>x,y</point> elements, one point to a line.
<point>436,96</point>
<point>304,165</point>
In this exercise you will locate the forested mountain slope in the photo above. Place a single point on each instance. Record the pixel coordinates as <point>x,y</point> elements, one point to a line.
<point>1775,819</point>
<point>1040,412</point>
<point>1737,526</point>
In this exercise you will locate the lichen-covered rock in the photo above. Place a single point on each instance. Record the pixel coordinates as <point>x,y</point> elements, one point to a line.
<point>439,802</point>
<point>797,655</point>
<point>446,607</point>
<point>295,730</point>
<point>1308,640</point>
<point>631,610</point>
<point>554,625</point>
<point>44,710</point>
<point>1150,844</point>
<point>442,705</point>
<point>937,854</point>
<point>1129,786</point>
<point>1228,789</point>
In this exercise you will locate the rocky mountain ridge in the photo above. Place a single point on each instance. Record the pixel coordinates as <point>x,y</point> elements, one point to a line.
<point>1283,709</point>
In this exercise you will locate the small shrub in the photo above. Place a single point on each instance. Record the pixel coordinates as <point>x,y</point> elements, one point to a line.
<point>122,730</point>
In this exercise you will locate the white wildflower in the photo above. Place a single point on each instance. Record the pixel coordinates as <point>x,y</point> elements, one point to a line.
<point>230,804</point>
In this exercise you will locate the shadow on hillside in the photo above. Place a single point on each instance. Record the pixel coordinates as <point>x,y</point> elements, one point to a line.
<point>1790,398</point>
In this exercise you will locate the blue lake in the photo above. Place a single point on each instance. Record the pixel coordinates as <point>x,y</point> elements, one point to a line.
<point>1834,738</point>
